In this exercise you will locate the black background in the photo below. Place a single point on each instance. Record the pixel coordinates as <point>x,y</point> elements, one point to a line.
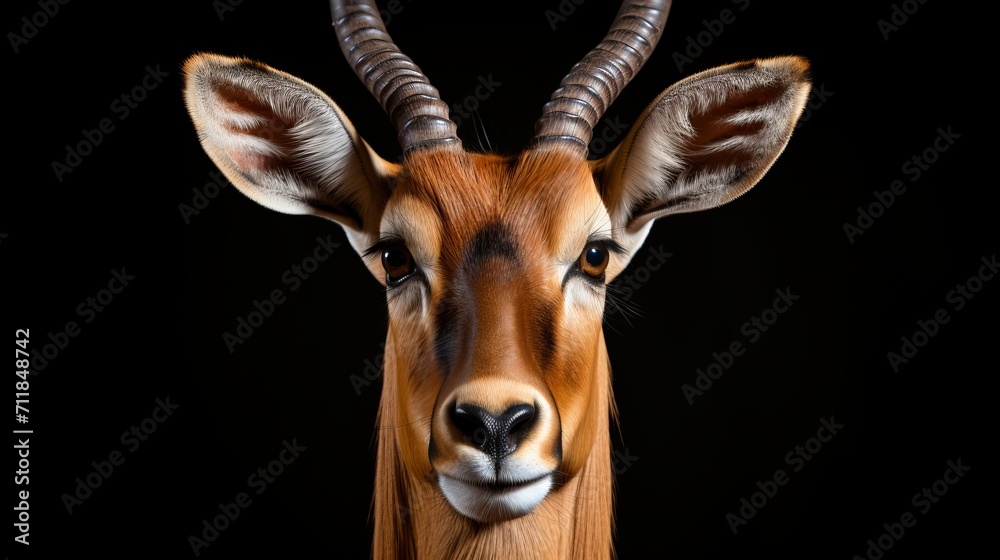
<point>688,465</point>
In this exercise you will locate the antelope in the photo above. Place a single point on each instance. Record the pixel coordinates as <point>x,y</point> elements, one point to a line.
<point>496,405</point>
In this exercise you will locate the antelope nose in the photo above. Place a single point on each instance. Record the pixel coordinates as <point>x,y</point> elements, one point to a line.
<point>497,435</point>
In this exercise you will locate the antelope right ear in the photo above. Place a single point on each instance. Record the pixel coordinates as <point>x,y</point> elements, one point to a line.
<point>286,145</point>
<point>703,142</point>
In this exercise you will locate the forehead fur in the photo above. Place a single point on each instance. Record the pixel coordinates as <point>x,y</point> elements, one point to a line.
<point>541,195</point>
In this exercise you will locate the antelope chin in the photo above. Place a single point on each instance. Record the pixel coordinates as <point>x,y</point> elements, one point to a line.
<point>493,503</point>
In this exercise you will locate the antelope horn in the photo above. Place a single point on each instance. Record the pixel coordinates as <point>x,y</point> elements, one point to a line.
<point>593,83</point>
<point>412,103</point>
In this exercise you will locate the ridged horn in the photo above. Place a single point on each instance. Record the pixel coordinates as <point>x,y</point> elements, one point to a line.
<point>412,103</point>
<point>595,82</point>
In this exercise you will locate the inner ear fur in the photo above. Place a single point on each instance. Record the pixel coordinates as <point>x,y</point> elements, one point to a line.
<point>703,142</point>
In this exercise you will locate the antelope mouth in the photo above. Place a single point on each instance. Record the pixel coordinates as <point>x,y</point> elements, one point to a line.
<point>495,501</point>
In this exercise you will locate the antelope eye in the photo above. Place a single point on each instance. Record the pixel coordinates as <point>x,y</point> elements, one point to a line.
<point>398,264</point>
<point>594,260</point>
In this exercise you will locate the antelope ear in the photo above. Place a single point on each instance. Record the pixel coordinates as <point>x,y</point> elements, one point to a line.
<point>286,145</point>
<point>703,142</point>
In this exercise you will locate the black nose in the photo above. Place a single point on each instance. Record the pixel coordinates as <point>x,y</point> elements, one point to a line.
<point>495,435</point>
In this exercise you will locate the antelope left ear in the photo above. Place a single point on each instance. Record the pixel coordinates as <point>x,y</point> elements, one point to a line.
<point>703,142</point>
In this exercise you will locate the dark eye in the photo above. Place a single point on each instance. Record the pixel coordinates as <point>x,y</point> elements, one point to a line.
<point>594,260</point>
<point>398,264</point>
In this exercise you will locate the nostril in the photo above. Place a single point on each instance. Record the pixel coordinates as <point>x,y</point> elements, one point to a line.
<point>519,419</point>
<point>474,423</point>
<point>495,435</point>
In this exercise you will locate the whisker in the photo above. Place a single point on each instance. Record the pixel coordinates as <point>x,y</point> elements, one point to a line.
<point>397,426</point>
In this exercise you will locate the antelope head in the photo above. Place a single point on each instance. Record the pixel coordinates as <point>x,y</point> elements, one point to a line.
<point>496,391</point>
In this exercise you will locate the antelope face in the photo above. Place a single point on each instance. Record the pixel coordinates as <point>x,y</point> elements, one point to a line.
<point>495,268</point>
<point>495,272</point>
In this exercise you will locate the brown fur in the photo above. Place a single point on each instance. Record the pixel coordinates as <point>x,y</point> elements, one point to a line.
<point>412,519</point>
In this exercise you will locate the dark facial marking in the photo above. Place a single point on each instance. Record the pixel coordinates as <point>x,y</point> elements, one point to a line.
<point>494,240</point>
